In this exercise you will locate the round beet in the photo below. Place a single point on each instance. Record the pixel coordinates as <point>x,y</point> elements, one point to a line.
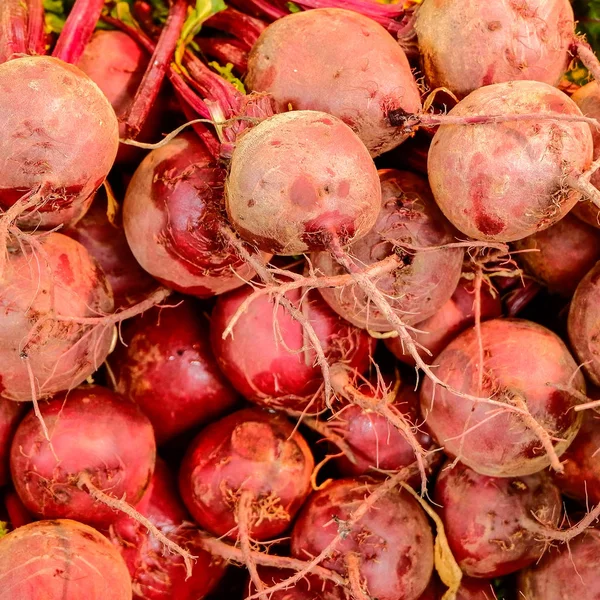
<point>456,315</point>
<point>47,285</point>
<point>491,538</point>
<point>167,367</point>
<point>504,181</point>
<point>156,574</point>
<point>393,541</point>
<point>498,42</point>
<point>299,61</point>
<point>60,135</point>
<point>97,437</point>
<point>10,416</point>
<point>173,213</point>
<point>521,361</point>
<point>566,572</point>
<point>581,478</point>
<point>107,244</point>
<point>278,373</point>
<point>61,559</point>
<point>298,181</point>
<point>424,281</point>
<point>249,451</point>
<point>309,587</point>
<point>584,324</point>
<point>560,256</point>
<point>470,589</point>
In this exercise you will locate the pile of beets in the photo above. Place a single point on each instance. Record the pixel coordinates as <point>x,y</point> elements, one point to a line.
<point>298,301</point>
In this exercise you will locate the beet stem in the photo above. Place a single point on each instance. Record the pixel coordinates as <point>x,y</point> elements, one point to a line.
<point>78,30</point>
<point>157,69</point>
<point>244,28</point>
<point>12,29</point>
<point>36,38</point>
<point>584,187</point>
<point>264,8</point>
<point>587,57</point>
<point>244,518</point>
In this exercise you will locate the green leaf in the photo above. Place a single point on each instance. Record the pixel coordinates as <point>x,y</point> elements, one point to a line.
<point>3,528</point>
<point>226,73</point>
<point>55,15</point>
<point>160,10</point>
<point>293,7</point>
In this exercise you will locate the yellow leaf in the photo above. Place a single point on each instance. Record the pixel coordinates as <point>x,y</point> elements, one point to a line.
<point>112,207</point>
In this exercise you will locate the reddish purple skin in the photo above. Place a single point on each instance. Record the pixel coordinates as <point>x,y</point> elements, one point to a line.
<point>359,81</point>
<point>584,324</point>
<point>423,281</point>
<point>249,450</point>
<point>277,375</point>
<point>470,589</point>
<point>93,431</point>
<point>565,572</point>
<point>10,416</point>
<point>453,318</point>
<point>107,244</point>
<point>393,540</point>
<point>156,574</point>
<point>581,461</point>
<point>167,367</point>
<point>491,538</point>
<point>519,358</point>
<point>172,214</point>
<point>17,514</point>
<point>564,253</point>
<point>504,181</point>
<point>375,443</point>
<point>308,588</point>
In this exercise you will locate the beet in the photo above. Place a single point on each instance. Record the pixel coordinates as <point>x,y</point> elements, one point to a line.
<point>248,451</point>
<point>167,367</point>
<point>61,559</point>
<point>97,437</point>
<point>279,374</point>
<point>10,416</point>
<point>308,588</point>
<point>393,541</point>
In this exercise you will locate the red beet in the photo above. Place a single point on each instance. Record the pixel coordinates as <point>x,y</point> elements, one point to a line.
<point>95,433</point>
<point>308,588</point>
<point>167,367</point>
<point>453,318</point>
<point>107,244</point>
<point>393,541</point>
<point>61,559</point>
<point>247,451</point>
<point>10,416</point>
<point>18,515</point>
<point>279,373</point>
<point>491,538</point>
<point>470,589</point>
<point>156,574</point>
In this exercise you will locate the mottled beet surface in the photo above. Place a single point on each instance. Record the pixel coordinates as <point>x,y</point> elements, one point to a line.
<point>491,538</point>
<point>359,81</point>
<point>156,574</point>
<point>167,367</point>
<point>94,432</point>
<point>424,281</point>
<point>276,372</point>
<point>504,181</point>
<point>61,559</point>
<point>393,541</point>
<point>521,361</point>
<point>248,451</point>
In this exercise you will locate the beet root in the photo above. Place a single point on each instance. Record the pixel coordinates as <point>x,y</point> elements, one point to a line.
<point>61,559</point>
<point>172,216</point>
<point>249,451</point>
<point>97,438</point>
<point>392,544</point>
<point>62,140</point>
<point>281,374</point>
<point>491,539</point>
<point>157,575</point>
<point>167,346</point>
<point>423,281</point>
<point>498,42</point>
<point>520,363</point>
<point>359,86</point>
<point>46,344</point>
<point>504,181</point>
<point>308,588</point>
<point>299,180</point>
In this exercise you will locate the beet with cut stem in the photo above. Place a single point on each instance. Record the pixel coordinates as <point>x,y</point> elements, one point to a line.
<point>249,451</point>
<point>97,438</point>
<point>168,369</point>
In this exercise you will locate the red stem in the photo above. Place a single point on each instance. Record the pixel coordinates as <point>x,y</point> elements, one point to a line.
<point>78,30</point>
<point>587,57</point>
<point>36,37</point>
<point>261,8</point>
<point>244,28</point>
<point>225,50</point>
<point>157,69</point>
<point>12,29</point>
